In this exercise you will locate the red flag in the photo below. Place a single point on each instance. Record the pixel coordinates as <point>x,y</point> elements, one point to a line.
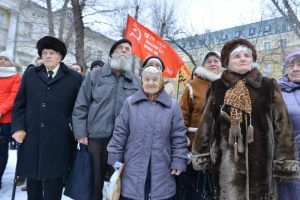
<point>145,43</point>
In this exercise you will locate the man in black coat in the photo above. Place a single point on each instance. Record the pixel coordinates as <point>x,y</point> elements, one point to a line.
<point>42,121</point>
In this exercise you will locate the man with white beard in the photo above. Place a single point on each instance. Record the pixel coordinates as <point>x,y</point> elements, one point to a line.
<point>98,104</point>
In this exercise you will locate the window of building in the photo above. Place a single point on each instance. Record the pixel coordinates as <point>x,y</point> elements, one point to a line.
<point>225,37</point>
<point>88,51</point>
<point>267,29</point>
<point>267,68</point>
<point>251,31</point>
<point>283,43</point>
<point>27,29</point>
<point>283,27</point>
<point>183,44</point>
<point>192,42</point>
<point>69,14</point>
<point>267,45</point>
<point>238,34</point>
<point>99,54</point>
<point>201,56</point>
<point>201,42</point>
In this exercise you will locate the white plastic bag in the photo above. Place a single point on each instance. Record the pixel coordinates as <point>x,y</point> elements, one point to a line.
<point>113,191</point>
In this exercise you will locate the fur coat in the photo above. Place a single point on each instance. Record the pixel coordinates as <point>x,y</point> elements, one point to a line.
<point>272,155</point>
<point>193,97</point>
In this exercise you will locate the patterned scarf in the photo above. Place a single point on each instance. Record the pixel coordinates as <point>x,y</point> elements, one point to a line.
<point>238,98</point>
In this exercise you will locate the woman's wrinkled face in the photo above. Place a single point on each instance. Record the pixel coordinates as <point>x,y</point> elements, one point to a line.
<point>293,71</point>
<point>213,64</point>
<point>151,82</point>
<point>240,61</point>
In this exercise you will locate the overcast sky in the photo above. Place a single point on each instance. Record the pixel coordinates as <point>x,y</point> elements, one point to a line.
<point>220,14</point>
<point>197,16</point>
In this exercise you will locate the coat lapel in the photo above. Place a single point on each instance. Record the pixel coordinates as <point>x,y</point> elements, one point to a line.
<point>42,73</point>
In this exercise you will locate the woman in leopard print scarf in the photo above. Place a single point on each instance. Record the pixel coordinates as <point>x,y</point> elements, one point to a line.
<point>245,136</point>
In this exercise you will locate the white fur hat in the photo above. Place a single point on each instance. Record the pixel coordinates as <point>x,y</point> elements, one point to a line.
<point>8,54</point>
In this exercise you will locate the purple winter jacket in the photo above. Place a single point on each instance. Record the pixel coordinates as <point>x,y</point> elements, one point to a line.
<point>290,190</point>
<point>149,133</point>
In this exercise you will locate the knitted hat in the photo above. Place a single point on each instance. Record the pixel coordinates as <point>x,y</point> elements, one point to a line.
<point>49,42</point>
<point>211,53</point>
<point>116,44</point>
<point>97,62</point>
<point>233,44</point>
<point>8,54</point>
<point>147,59</point>
<point>295,52</point>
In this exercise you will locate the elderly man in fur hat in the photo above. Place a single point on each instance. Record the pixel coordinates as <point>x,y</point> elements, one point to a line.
<point>98,104</point>
<point>9,85</point>
<point>245,136</point>
<point>42,115</point>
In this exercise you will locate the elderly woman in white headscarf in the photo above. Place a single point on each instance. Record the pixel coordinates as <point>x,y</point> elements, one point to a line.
<point>149,136</point>
<point>245,136</point>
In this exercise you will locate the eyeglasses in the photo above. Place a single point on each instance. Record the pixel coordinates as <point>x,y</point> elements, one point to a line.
<point>212,61</point>
<point>293,65</point>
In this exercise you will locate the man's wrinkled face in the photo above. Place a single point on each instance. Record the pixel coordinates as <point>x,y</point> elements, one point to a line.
<point>5,62</point>
<point>51,58</point>
<point>121,58</point>
<point>123,49</point>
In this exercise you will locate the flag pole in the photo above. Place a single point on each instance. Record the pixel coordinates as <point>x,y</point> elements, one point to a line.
<point>178,84</point>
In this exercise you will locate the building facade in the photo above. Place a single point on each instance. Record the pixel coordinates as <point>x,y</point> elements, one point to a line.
<point>23,23</point>
<point>272,38</point>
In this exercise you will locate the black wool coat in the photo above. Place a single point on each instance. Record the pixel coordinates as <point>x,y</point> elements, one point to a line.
<point>43,109</point>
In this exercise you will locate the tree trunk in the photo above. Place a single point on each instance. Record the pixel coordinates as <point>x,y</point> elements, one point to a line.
<point>79,31</point>
<point>62,20</point>
<point>50,18</point>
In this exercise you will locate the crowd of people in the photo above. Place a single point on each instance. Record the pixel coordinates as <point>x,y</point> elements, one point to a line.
<point>233,135</point>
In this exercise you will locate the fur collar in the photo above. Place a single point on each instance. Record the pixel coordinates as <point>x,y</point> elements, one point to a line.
<point>206,74</point>
<point>252,78</point>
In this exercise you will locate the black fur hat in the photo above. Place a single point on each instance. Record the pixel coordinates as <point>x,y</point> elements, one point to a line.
<point>97,62</point>
<point>49,42</point>
<point>116,44</point>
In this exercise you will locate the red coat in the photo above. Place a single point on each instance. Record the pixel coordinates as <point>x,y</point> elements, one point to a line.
<point>8,90</point>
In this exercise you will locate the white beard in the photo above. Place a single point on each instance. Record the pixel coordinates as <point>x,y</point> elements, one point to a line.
<point>121,62</point>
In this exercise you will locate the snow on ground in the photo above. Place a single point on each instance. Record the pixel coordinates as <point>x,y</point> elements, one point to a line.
<point>7,180</point>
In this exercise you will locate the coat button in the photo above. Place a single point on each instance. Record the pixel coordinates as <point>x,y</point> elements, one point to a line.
<point>42,124</point>
<point>43,105</point>
<point>48,88</point>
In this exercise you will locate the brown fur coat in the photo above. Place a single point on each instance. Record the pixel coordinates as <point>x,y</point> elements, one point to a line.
<point>272,154</point>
